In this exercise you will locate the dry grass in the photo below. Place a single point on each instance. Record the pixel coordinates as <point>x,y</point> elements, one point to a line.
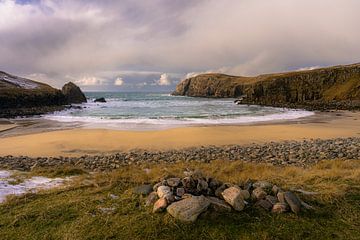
<point>75,212</point>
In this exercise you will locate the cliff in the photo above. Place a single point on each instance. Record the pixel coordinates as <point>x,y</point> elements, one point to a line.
<point>324,88</point>
<point>21,96</point>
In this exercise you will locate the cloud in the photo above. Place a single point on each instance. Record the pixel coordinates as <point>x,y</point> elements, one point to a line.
<point>119,81</point>
<point>140,40</point>
<point>90,81</point>
<point>164,80</point>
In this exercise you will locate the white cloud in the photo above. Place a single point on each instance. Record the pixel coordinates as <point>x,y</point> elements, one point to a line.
<point>119,81</point>
<point>90,81</point>
<point>164,80</point>
<point>308,68</point>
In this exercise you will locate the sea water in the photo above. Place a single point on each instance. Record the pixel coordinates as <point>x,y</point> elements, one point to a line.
<point>141,111</point>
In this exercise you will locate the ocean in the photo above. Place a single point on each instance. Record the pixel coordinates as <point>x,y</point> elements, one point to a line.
<point>146,111</point>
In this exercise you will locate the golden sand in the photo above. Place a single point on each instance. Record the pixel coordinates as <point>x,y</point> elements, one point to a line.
<point>94,141</point>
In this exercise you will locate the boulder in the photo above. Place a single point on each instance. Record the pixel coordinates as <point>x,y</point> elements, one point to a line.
<point>151,199</point>
<point>218,205</point>
<point>162,191</point>
<point>264,204</point>
<point>271,199</point>
<point>262,184</point>
<point>293,201</point>
<point>73,93</point>
<point>202,185</point>
<point>187,210</point>
<point>245,194</point>
<point>160,205</point>
<point>279,208</point>
<point>102,100</point>
<point>233,196</point>
<point>173,182</point>
<point>281,197</point>
<point>180,192</point>
<point>258,193</point>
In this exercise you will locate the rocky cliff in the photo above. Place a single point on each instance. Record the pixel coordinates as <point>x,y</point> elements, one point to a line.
<point>21,96</point>
<point>324,88</point>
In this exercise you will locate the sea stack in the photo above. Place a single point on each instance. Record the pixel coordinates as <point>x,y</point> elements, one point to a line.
<point>73,93</point>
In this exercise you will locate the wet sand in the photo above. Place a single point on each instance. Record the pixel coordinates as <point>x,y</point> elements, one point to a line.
<point>76,142</point>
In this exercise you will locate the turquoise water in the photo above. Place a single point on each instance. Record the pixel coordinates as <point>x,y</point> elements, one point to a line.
<point>161,110</point>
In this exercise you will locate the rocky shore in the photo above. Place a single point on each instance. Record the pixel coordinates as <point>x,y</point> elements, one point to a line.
<point>25,97</point>
<point>320,89</point>
<point>297,153</point>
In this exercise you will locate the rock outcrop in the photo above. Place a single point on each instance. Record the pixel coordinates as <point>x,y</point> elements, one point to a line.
<point>73,93</point>
<point>323,88</point>
<point>25,97</point>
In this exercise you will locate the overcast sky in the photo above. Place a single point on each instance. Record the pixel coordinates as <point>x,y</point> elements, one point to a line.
<point>152,44</point>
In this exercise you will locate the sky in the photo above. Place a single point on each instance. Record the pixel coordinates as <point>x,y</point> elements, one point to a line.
<point>150,45</point>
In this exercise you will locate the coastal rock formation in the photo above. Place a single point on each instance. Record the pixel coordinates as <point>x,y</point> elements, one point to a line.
<point>17,92</point>
<point>22,97</point>
<point>73,93</point>
<point>102,100</point>
<point>332,87</point>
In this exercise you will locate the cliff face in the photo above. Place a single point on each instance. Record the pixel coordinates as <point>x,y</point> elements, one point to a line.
<point>21,96</point>
<point>331,85</point>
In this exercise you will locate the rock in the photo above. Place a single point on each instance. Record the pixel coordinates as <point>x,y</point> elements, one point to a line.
<point>160,205</point>
<point>186,195</point>
<point>219,205</point>
<point>73,93</point>
<point>202,185</point>
<point>173,182</point>
<point>275,189</point>
<point>155,187</point>
<point>220,189</point>
<point>187,210</point>
<point>188,183</point>
<point>180,192</point>
<point>309,89</point>
<point>162,191</point>
<point>102,100</point>
<point>151,199</point>
<point>264,204</point>
<point>170,198</point>
<point>258,193</point>
<point>293,201</point>
<point>279,208</point>
<point>281,197</point>
<point>248,185</point>
<point>271,199</point>
<point>262,184</point>
<point>214,184</point>
<point>233,197</point>
<point>245,194</point>
<point>143,189</point>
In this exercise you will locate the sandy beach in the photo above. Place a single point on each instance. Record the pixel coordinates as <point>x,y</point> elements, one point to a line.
<point>76,142</point>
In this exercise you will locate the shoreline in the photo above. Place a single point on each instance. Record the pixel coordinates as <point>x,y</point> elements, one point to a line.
<point>303,154</point>
<point>75,142</point>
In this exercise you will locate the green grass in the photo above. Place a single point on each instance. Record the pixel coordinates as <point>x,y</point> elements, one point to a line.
<point>75,212</point>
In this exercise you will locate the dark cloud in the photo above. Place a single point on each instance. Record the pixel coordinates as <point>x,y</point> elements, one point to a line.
<point>140,41</point>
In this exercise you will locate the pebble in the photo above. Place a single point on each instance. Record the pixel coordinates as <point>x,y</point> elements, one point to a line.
<point>297,153</point>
